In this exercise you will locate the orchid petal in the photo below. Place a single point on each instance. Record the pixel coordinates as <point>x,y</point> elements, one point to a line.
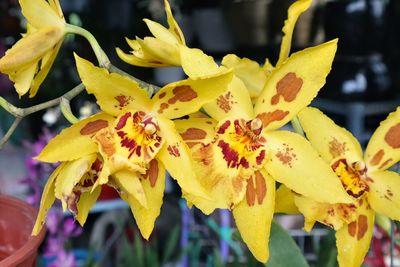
<point>331,141</point>
<point>175,154</point>
<point>195,131</point>
<point>40,14</point>
<point>383,149</point>
<point>159,51</point>
<point>284,201</point>
<point>153,185</point>
<point>173,25</point>
<point>196,64</point>
<point>249,71</point>
<point>353,240</point>
<point>294,12</point>
<point>235,102</point>
<point>22,79</point>
<point>114,93</point>
<point>129,183</point>
<point>46,64</point>
<point>161,33</point>
<point>30,49</point>
<point>184,97</point>
<point>70,175</point>
<point>85,203</point>
<point>46,201</point>
<point>289,160</point>
<point>384,193</point>
<point>138,61</point>
<point>253,215</point>
<point>293,85</point>
<point>79,142</point>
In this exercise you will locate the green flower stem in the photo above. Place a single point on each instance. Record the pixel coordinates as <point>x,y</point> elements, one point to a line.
<point>10,131</point>
<point>98,51</point>
<point>150,88</point>
<point>66,111</point>
<point>20,113</point>
<point>297,126</point>
<point>103,59</point>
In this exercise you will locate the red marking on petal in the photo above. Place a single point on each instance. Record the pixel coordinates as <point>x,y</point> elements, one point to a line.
<point>122,121</point>
<point>377,157</point>
<point>123,100</point>
<point>244,163</point>
<point>223,127</point>
<point>386,162</point>
<point>152,172</point>
<point>194,134</point>
<point>286,156</point>
<point>93,127</point>
<point>261,187</point>
<point>288,87</point>
<point>230,156</point>
<point>162,95</point>
<point>224,102</point>
<point>392,137</point>
<point>183,93</point>
<point>336,148</point>
<point>260,157</point>
<point>352,228</point>
<point>163,106</point>
<point>173,151</point>
<point>250,192</point>
<point>276,115</point>
<point>362,226</point>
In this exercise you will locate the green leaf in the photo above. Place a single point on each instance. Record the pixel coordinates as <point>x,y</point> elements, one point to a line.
<point>171,244</point>
<point>283,250</point>
<point>139,250</point>
<point>327,252</point>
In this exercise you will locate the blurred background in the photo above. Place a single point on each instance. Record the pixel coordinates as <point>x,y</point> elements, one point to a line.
<point>362,88</point>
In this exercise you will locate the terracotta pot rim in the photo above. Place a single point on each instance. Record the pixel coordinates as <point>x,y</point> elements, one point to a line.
<point>32,243</point>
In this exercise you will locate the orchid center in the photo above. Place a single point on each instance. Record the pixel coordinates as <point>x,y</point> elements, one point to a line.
<point>353,177</point>
<point>241,143</point>
<point>135,139</point>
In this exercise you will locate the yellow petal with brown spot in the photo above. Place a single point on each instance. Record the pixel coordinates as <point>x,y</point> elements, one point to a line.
<point>235,102</point>
<point>289,159</point>
<point>330,140</point>
<point>114,93</point>
<point>253,215</point>
<point>383,149</point>
<point>187,96</point>
<point>353,239</point>
<point>294,84</point>
<point>79,139</point>
<point>384,193</point>
<point>175,154</point>
<point>153,185</point>
<point>196,131</point>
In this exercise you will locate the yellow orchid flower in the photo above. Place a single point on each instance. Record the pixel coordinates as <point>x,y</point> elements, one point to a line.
<point>136,137</point>
<point>162,50</point>
<point>365,179</point>
<point>239,156</point>
<point>28,62</point>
